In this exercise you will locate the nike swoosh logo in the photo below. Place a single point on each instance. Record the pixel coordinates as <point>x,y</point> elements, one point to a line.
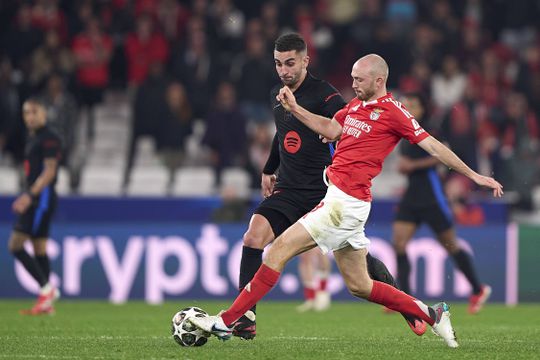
<point>277,105</point>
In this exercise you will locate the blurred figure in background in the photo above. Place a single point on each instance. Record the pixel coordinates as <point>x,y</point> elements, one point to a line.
<point>62,117</point>
<point>11,130</point>
<point>424,201</point>
<point>226,134</point>
<point>51,57</point>
<point>150,101</point>
<point>174,126</point>
<point>36,205</point>
<point>92,50</point>
<point>520,150</point>
<point>314,268</point>
<point>144,47</point>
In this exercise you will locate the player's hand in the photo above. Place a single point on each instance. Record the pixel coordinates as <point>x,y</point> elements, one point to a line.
<point>405,166</point>
<point>267,184</point>
<point>21,204</point>
<point>287,99</point>
<point>324,140</point>
<point>490,183</point>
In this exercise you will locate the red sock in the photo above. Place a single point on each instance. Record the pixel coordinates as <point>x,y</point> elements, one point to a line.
<point>394,299</point>
<point>263,281</point>
<point>322,284</point>
<point>309,293</point>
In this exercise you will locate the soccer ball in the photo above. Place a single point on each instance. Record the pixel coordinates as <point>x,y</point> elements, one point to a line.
<point>183,332</point>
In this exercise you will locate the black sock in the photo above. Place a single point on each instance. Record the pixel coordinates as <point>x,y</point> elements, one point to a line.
<point>250,263</point>
<point>404,270</point>
<point>45,265</point>
<point>464,264</point>
<point>31,265</point>
<point>378,271</point>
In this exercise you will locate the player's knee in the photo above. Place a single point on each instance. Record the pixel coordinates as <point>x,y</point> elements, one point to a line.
<point>15,244</point>
<point>400,245</point>
<point>253,240</point>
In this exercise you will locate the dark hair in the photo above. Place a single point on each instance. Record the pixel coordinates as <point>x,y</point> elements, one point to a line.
<point>37,101</point>
<point>422,99</point>
<point>289,42</point>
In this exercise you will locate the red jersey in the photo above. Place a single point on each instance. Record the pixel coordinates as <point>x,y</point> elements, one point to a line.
<point>371,130</point>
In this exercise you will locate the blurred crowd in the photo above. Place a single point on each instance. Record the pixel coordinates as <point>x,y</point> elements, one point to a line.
<point>211,60</point>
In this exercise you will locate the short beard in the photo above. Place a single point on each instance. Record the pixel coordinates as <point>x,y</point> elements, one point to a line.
<point>368,94</point>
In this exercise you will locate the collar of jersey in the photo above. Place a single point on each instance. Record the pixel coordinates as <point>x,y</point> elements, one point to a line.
<point>372,102</point>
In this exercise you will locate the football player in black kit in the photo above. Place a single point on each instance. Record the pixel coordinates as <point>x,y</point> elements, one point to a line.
<point>418,206</point>
<point>299,157</point>
<point>36,205</point>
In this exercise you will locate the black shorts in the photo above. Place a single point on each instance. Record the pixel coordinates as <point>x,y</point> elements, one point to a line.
<point>285,206</point>
<point>438,218</point>
<point>36,221</point>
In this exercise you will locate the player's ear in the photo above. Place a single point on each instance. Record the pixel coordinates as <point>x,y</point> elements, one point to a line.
<point>305,60</point>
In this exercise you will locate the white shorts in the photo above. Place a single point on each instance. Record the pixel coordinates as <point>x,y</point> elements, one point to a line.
<point>338,221</point>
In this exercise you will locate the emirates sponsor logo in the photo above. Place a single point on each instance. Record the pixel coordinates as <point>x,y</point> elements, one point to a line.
<point>355,127</point>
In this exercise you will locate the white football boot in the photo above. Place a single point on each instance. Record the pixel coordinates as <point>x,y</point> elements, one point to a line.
<point>442,326</point>
<point>213,325</point>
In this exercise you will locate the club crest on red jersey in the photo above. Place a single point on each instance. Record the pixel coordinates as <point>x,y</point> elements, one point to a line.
<point>375,114</point>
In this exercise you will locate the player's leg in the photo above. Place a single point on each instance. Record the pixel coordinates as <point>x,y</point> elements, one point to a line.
<point>40,252</point>
<point>261,232</point>
<point>463,261</point>
<point>324,267</point>
<point>295,240</point>
<point>352,265</point>
<point>402,232</point>
<point>307,263</point>
<point>16,247</point>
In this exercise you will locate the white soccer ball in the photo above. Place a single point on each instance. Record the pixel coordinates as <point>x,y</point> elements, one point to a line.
<point>183,332</point>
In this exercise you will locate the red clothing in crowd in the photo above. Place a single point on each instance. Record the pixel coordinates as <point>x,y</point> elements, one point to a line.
<point>140,54</point>
<point>93,60</point>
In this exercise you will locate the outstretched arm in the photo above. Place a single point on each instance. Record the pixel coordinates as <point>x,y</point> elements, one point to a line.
<point>449,158</point>
<point>329,128</point>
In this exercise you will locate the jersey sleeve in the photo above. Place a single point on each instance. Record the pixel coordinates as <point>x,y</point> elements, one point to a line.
<point>406,126</point>
<point>51,147</point>
<point>332,101</point>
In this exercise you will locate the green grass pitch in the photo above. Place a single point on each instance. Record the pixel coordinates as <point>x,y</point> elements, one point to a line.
<point>349,330</point>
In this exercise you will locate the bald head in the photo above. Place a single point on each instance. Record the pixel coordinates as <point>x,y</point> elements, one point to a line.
<point>374,64</point>
<point>369,75</point>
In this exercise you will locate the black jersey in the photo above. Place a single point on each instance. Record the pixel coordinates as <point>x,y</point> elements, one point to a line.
<point>302,155</point>
<point>425,186</point>
<point>43,144</point>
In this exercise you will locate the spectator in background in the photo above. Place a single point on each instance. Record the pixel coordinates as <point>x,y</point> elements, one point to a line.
<point>172,17</point>
<point>47,15</point>
<point>459,128</point>
<point>417,80</point>
<point>175,125</point>
<point>448,85</point>
<point>51,57</point>
<point>520,149</point>
<point>148,106</point>
<point>528,77</point>
<point>254,76</point>
<point>144,47</point>
<point>92,50</point>
<point>62,117</point>
<point>23,38</point>
<point>11,128</point>
<point>229,23</point>
<point>196,68</point>
<point>226,135</point>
